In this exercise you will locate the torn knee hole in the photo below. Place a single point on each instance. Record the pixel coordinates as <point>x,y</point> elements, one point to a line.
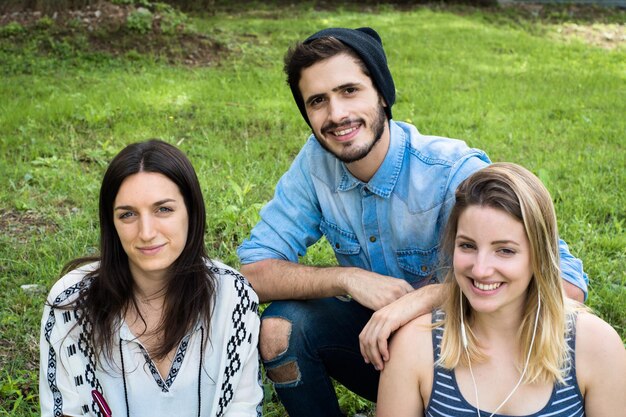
<point>274,339</point>
<point>286,373</point>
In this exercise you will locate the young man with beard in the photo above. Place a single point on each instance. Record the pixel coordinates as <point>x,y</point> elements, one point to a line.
<point>380,193</point>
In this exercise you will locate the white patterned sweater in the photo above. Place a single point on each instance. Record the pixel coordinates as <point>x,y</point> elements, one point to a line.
<point>226,384</point>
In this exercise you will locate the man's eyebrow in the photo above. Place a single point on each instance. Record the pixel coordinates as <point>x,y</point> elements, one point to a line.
<point>334,90</point>
<point>347,85</point>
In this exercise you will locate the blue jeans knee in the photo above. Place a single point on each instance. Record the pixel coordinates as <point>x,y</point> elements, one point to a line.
<point>283,368</point>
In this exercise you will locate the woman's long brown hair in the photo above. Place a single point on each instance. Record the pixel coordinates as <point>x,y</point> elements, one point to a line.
<point>190,288</point>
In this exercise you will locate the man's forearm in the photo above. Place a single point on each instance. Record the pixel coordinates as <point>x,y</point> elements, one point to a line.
<point>573,292</point>
<point>418,302</point>
<point>275,279</point>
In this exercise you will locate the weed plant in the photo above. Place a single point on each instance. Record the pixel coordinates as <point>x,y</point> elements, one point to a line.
<point>507,87</point>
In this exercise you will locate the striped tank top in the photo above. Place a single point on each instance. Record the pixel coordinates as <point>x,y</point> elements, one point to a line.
<point>446,399</point>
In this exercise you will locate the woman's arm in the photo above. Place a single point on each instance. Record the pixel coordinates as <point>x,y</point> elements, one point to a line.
<point>248,392</point>
<point>248,395</point>
<point>57,393</point>
<point>600,366</point>
<point>46,400</point>
<point>406,380</point>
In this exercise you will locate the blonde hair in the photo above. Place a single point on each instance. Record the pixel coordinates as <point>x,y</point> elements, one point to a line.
<point>516,191</point>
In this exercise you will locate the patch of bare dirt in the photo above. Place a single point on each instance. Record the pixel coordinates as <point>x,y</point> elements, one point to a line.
<point>598,26</point>
<point>103,15</point>
<point>104,27</point>
<point>21,225</point>
<point>607,36</point>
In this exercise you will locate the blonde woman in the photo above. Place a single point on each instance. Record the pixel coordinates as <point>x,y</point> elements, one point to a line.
<point>506,342</point>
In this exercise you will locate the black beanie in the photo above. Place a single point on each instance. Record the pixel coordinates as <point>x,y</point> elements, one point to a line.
<point>369,47</point>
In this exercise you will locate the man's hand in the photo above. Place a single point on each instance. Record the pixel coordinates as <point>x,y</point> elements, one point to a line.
<point>372,290</point>
<point>275,279</point>
<point>374,337</point>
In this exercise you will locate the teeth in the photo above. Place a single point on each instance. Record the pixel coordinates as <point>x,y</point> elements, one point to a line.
<point>345,131</point>
<point>487,287</point>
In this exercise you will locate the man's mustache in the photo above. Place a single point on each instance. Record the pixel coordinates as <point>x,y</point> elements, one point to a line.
<point>336,126</point>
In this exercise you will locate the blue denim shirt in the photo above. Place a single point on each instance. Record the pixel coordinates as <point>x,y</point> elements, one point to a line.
<point>390,225</point>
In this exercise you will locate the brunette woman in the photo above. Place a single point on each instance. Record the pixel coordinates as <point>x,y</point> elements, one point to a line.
<point>152,325</point>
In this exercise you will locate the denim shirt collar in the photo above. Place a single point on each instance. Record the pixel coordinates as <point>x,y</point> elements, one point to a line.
<point>385,178</point>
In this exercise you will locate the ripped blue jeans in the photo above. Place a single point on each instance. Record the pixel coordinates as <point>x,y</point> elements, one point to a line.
<point>323,344</point>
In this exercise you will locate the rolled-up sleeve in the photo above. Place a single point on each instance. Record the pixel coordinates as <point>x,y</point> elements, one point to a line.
<point>572,269</point>
<point>290,221</point>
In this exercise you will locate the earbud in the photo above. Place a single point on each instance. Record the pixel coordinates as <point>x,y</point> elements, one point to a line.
<point>463,334</point>
<point>538,308</point>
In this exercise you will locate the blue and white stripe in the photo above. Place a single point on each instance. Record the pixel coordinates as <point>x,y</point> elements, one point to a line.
<point>446,399</point>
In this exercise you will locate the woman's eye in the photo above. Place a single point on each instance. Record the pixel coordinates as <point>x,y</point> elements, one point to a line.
<point>164,210</point>
<point>507,251</point>
<point>125,215</point>
<point>466,246</point>
<point>351,90</point>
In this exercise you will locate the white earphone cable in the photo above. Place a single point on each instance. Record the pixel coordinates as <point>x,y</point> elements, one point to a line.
<point>519,382</point>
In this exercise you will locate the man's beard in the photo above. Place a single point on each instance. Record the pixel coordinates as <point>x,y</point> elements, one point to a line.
<point>353,155</point>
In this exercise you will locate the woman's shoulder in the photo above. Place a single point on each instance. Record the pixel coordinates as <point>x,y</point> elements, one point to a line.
<point>411,349</point>
<point>231,283</point>
<point>600,355</point>
<point>415,336</point>
<point>598,346</point>
<point>225,273</point>
<point>591,328</point>
<point>69,285</point>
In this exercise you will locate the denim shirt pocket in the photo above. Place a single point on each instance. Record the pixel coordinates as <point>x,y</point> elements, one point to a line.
<point>342,241</point>
<point>418,265</point>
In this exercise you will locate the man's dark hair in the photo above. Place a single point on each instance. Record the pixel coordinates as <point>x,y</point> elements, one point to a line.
<point>304,55</point>
<point>363,44</point>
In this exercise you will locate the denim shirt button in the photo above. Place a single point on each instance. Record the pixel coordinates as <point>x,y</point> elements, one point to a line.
<point>424,268</point>
<point>337,245</point>
<point>372,239</point>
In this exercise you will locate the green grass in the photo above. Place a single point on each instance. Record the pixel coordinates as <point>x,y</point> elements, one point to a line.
<point>504,85</point>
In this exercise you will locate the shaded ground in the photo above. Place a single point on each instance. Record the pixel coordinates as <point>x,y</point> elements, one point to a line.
<point>116,29</point>
<point>598,26</point>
